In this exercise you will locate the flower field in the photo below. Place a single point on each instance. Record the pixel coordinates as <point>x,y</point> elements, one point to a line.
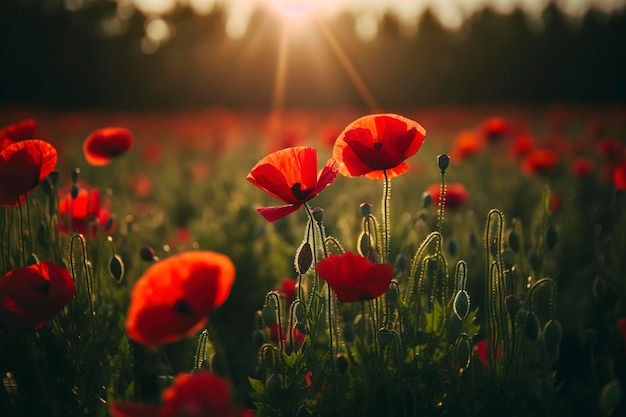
<point>421,262</point>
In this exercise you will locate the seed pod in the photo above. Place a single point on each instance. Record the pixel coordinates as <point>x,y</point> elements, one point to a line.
<point>147,253</point>
<point>304,257</point>
<point>531,327</point>
<point>512,304</point>
<point>550,238</point>
<point>116,268</point>
<point>453,247</point>
<point>552,333</point>
<point>366,209</point>
<point>443,161</point>
<point>461,304</point>
<point>348,332</point>
<point>508,258</point>
<point>463,352</point>
<point>318,214</point>
<point>341,363</point>
<point>74,191</point>
<point>384,336</point>
<point>514,243</point>
<point>401,263</point>
<point>269,315</point>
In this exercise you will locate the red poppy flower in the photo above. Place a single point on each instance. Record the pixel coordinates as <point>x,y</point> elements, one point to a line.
<point>84,213</point>
<point>522,145</point>
<point>456,195</point>
<point>583,167</point>
<point>467,143</point>
<point>611,149</point>
<point>619,176</point>
<point>22,130</point>
<point>288,290</point>
<point>496,128</point>
<point>174,297</point>
<point>377,144</point>
<point>107,143</point>
<point>541,162</point>
<point>290,175</point>
<point>198,395</point>
<point>23,165</point>
<point>354,277</point>
<point>32,295</point>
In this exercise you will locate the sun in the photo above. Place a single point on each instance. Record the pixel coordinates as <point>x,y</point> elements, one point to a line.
<point>298,9</point>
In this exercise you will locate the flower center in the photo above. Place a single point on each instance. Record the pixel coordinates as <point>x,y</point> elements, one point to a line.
<point>298,193</point>
<point>183,308</point>
<point>378,144</point>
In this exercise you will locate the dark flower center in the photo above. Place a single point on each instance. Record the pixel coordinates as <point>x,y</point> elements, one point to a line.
<point>299,194</point>
<point>183,308</point>
<point>378,144</point>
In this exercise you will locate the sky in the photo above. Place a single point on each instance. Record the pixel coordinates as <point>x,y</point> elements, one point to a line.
<point>367,12</point>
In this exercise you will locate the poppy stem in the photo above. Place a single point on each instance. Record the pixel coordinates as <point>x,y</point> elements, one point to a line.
<point>442,201</point>
<point>6,239</point>
<point>22,237</point>
<point>386,218</point>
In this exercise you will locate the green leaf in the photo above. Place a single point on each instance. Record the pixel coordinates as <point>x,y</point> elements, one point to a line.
<point>257,385</point>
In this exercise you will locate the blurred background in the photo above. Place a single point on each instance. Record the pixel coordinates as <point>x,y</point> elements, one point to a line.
<point>263,54</point>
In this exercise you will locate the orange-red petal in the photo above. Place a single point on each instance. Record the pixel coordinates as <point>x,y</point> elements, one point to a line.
<point>107,143</point>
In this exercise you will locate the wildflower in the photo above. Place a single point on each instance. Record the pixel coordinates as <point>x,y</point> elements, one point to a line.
<point>174,297</point>
<point>288,290</point>
<point>466,144</point>
<point>377,145</point>
<point>540,162</point>
<point>522,145</point>
<point>107,143</point>
<point>496,128</point>
<point>196,395</point>
<point>354,277</point>
<point>619,176</point>
<point>290,175</point>
<point>456,195</point>
<point>582,167</point>
<point>83,212</point>
<point>19,131</point>
<point>482,348</point>
<point>23,165</point>
<point>32,295</point>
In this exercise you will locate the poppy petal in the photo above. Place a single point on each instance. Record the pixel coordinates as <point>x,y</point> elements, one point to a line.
<point>271,180</point>
<point>105,144</point>
<point>353,277</point>
<point>272,214</point>
<point>174,296</point>
<point>22,130</point>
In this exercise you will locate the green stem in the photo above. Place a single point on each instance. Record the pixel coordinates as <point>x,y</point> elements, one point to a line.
<point>386,218</point>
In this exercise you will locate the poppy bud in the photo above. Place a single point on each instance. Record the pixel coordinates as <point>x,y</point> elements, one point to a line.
<point>318,214</point>
<point>341,363</point>
<point>443,161</point>
<point>427,199</point>
<point>365,244</point>
<point>366,209</point>
<point>514,241</point>
<point>258,337</point>
<point>552,333</point>
<point>54,177</point>
<point>550,238</point>
<point>392,293</point>
<point>46,186</point>
<point>401,263</point>
<point>535,259</point>
<point>218,364</point>
<point>300,311</point>
<point>473,239</point>
<point>508,258</point>
<point>493,246</point>
<point>273,386</point>
<point>108,225</point>
<point>147,254</point>
<point>116,268</point>
<point>384,336</point>
<point>453,247</point>
<point>75,174</point>
<point>461,304</point>
<point>531,327</point>
<point>348,332</point>
<point>610,397</point>
<point>512,304</point>
<point>74,191</point>
<point>32,259</point>
<point>304,257</point>
<point>463,352</point>
<point>591,338</point>
<point>269,315</point>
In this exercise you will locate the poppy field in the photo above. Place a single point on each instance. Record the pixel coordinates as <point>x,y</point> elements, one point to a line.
<point>420,262</point>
